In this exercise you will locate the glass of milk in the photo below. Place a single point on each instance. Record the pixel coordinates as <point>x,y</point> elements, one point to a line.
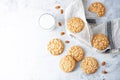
<point>47,21</point>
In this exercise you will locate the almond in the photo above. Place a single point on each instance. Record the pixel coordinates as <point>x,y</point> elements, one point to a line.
<point>103,63</point>
<point>104,72</point>
<point>57,7</point>
<point>62,33</point>
<point>59,24</point>
<point>67,41</point>
<point>61,11</point>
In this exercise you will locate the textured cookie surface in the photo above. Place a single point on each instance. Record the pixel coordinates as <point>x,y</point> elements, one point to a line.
<point>89,65</point>
<point>100,41</point>
<point>55,46</point>
<point>67,63</point>
<point>76,52</point>
<point>97,8</point>
<point>75,24</point>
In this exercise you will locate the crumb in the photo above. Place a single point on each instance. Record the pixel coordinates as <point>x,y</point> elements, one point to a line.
<point>67,41</point>
<point>104,72</point>
<point>59,24</point>
<point>103,63</point>
<point>61,11</point>
<point>57,7</point>
<point>62,33</point>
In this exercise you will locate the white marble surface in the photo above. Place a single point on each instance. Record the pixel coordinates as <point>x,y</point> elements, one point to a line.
<point>23,55</point>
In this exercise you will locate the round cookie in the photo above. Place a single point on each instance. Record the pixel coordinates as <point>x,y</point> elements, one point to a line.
<point>89,65</point>
<point>100,41</point>
<point>76,52</point>
<point>67,63</point>
<point>75,24</point>
<point>97,8</point>
<point>55,46</point>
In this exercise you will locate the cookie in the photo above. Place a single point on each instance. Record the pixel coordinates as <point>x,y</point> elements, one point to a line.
<point>67,63</point>
<point>75,25</point>
<point>76,52</point>
<point>97,8</point>
<point>55,46</point>
<point>100,41</point>
<point>89,65</point>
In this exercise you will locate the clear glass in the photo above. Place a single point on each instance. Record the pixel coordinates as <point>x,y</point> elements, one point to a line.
<point>52,27</point>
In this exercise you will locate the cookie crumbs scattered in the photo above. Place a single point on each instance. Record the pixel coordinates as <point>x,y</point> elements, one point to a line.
<point>59,24</point>
<point>104,72</point>
<point>61,11</point>
<point>67,41</point>
<point>62,33</point>
<point>103,63</point>
<point>57,7</point>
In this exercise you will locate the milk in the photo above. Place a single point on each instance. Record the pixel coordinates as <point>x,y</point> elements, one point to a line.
<point>47,22</point>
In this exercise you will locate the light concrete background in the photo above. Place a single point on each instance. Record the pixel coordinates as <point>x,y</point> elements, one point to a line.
<point>23,54</point>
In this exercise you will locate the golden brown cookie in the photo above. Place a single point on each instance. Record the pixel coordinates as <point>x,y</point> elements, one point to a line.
<point>76,52</point>
<point>100,41</point>
<point>89,65</point>
<point>75,24</point>
<point>55,46</point>
<point>67,63</point>
<point>97,8</point>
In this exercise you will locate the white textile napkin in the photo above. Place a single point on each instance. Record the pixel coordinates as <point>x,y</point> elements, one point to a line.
<point>76,9</point>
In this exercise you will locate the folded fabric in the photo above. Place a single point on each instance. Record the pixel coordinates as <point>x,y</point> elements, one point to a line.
<point>76,9</point>
<point>110,28</point>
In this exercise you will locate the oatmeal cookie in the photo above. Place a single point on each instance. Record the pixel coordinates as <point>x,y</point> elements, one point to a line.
<point>100,41</point>
<point>67,63</point>
<point>89,65</point>
<point>97,8</point>
<point>76,52</point>
<point>75,25</point>
<point>55,46</point>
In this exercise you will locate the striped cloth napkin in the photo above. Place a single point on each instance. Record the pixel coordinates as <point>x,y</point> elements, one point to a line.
<point>112,30</point>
